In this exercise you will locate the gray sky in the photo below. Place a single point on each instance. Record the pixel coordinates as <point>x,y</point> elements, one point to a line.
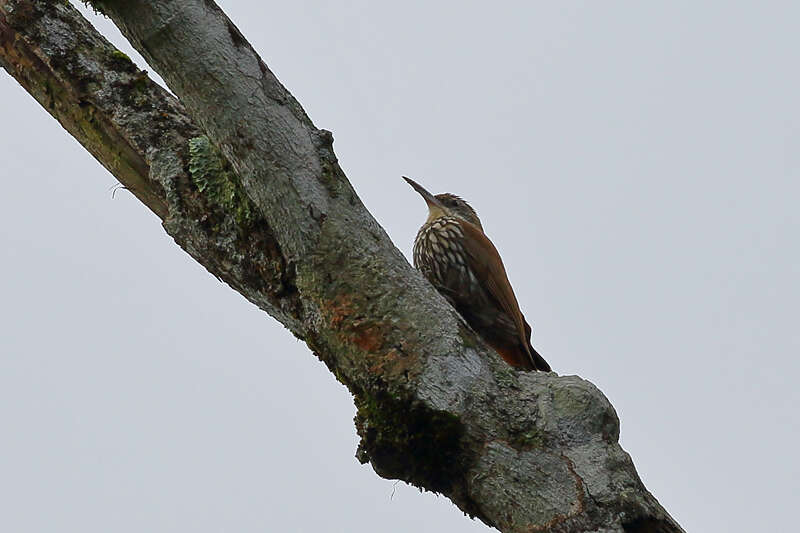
<point>636,165</point>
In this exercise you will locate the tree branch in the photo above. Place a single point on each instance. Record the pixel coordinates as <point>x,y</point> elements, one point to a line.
<point>281,224</point>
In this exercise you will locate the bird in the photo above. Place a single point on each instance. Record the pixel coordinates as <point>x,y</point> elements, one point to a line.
<point>455,255</point>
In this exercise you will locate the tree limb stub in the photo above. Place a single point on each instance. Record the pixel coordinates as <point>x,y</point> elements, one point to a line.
<point>143,136</point>
<point>277,220</point>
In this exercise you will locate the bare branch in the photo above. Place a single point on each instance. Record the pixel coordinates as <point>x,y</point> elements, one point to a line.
<point>282,225</point>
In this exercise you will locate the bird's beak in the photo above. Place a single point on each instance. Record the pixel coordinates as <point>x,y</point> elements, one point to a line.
<point>428,197</point>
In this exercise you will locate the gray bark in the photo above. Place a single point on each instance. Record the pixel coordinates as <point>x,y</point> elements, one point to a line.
<point>278,221</point>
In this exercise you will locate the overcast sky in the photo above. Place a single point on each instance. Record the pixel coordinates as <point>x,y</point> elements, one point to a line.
<point>636,165</point>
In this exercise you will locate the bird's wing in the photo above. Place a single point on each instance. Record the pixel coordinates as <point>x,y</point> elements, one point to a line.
<point>485,262</point>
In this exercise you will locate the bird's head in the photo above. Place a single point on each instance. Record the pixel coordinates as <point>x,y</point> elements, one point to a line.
<point>446,204</point>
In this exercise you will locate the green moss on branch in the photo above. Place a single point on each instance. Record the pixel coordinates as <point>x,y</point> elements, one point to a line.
<point>409,442</point>
<point>214,177</point>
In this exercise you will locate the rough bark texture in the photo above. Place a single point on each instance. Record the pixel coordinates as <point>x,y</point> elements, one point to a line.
<point>281,225</point>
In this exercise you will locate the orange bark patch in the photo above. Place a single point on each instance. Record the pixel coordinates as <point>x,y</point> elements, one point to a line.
<point>368,337</point>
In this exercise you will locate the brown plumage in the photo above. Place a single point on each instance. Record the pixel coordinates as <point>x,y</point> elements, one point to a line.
<point>454,254</point>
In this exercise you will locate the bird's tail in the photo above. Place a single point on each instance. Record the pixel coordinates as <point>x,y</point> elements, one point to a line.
<point>538,361</point>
